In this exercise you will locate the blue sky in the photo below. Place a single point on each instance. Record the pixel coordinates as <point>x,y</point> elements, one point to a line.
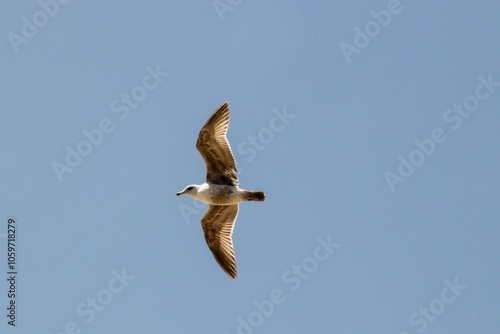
<point>372,127</point>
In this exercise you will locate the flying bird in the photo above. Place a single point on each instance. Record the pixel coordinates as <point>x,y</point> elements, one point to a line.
<point>220,190</point>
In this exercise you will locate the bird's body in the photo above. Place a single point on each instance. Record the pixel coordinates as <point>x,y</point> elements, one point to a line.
<point>221,194</point>
<point>220,190</point>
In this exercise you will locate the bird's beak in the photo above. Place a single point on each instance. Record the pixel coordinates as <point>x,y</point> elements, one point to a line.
<point>180,193</point>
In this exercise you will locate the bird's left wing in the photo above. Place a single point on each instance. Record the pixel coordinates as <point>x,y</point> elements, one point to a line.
<point>218,224</point>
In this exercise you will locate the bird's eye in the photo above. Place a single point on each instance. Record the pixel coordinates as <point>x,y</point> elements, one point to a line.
<point>190,188</point>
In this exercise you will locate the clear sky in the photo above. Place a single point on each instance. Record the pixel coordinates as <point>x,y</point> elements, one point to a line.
<point>373,128</point>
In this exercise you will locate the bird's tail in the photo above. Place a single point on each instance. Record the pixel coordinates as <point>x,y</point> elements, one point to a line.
<point>256,196</point>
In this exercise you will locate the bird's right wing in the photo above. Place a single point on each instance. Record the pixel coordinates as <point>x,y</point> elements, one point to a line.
<point>214,147</point>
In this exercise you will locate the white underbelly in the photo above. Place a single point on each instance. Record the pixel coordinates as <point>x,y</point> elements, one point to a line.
<point>219,195</point>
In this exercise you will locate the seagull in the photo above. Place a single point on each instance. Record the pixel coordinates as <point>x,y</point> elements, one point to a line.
<point>220,191</point>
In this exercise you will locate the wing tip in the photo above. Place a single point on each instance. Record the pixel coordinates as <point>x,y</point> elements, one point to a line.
<point>232,274</point>
<point>223,106</point>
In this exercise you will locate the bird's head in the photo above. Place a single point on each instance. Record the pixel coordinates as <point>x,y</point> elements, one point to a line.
<point>189,190</point>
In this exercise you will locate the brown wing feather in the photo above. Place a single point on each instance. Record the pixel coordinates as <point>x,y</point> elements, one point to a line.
<point>214,147</point>
<point>218,224</point>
